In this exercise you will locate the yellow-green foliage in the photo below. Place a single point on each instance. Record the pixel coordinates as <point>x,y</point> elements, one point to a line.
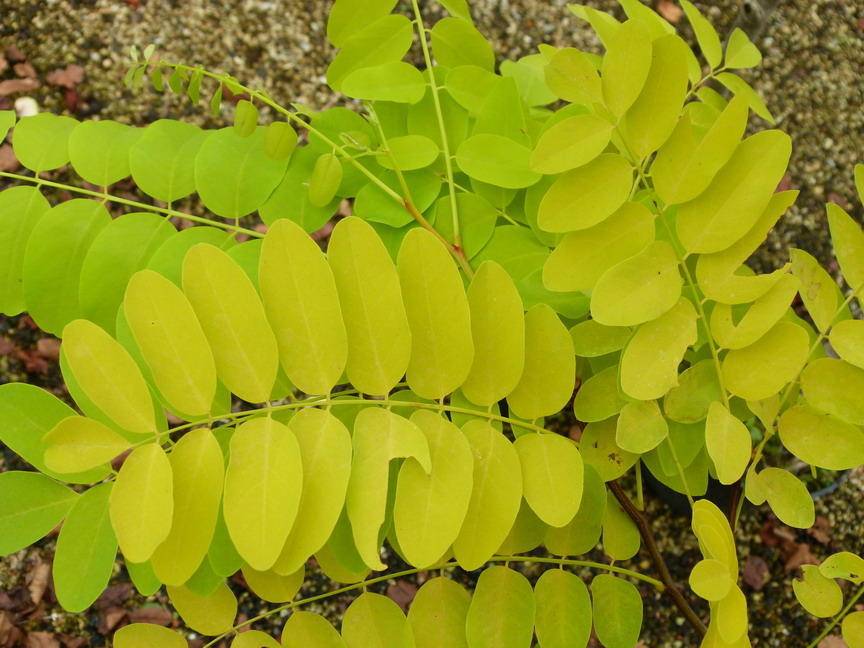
<point>569,219</point>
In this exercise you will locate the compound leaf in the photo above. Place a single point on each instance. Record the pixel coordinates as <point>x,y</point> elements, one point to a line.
<point>325,451</point>
<point>563,610</point>
<point>108,376</point>
<point>234,176</point>
<point>171,341</point>
<point>232,317</point>
<point>302,305</point>
<point>375,621</point>
<point>53,259</point>
<point>162,159</point>
<point>442,348</point>
<point>199,472</point>
<point>141,503</point>
<point>502,611</point>
<point>99,150</point>
<point>651,282</point>
<point>552,476</point>
<point>86,550</point>
<point>31,505</point>
<point>262,489</point>
<point>438,614</point>
<point>617,611</point>
<point>495,496</point>
<point>549,375</point>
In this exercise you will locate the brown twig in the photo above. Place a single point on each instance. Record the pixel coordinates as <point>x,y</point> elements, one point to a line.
<point>656,557</point>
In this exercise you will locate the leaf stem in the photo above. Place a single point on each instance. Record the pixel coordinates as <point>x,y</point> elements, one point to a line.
<point>445,565</point>
<point>837,619</point>
<point>644,528</point>
<point>132,203</point>
<point>405,201</point>
<point>442,129</point>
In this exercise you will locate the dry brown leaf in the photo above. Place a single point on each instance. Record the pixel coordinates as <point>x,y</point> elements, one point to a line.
<point>8,161</point>
<point>37,581</point>
<point>42,640</point>
<point>48,348</point>
<point>25,70</point>
<point>755,572</point>
<point>151,614</point>
<point>402,593</point>
<point>670,11</point>
<point>67,77</point>
<point>832,641</point>
<point>16,86</point>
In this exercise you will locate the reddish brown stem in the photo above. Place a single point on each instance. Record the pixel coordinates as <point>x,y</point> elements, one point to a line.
<point>656,557</point>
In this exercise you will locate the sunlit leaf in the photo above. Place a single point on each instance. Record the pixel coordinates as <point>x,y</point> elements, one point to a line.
<point>617,611</point>
<point>198,469</point>
<point>141,503</point>
<point>586,196</point>
<point>379,340</point>
<point>262,489</point>
<point>728,443</point>
<point>651,281</point>
<point>552,476</point>
<point>232,317</point>
<point>437,615</point>
<point>31,505</point>
<point>171,341</point>
<point>737,196</point>
<point>86,550</point>
<point>501,614</point>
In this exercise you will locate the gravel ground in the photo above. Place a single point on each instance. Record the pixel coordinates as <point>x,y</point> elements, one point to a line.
<point>811,77</point>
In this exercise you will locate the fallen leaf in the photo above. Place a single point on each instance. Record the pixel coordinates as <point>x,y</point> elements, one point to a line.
<point>48,348</point>
<point>37,581</point>
<point>15,86</point>
<point>832,641</point>
<point>67,77</point>
<point>756,572</point>
<point>8,161</point>
<point>151,614</point>
<point>42,640</point>
<point>402,593</point>
<point>25,70</point>
<point>801,555</point>
<point>669,10</point>
<point>821,530</point>
<point>114,596</point>
<point>111,618</point>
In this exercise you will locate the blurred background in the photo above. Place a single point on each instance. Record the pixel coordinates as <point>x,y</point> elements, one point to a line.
<point>69,56</point>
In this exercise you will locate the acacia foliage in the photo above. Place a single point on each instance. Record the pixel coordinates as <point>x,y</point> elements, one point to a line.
<point>614,195</point>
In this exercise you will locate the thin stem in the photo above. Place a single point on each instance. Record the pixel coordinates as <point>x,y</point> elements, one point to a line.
<point>680,470</point>
<point>337,400</point>
<point>292,117</point>
<point>132,203</point>
<point>405,201</point>
<point>659,586</point>
<point>837,619</point>
<point>442,129</point>
<point>656,557</point>
<point>445,565</point>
